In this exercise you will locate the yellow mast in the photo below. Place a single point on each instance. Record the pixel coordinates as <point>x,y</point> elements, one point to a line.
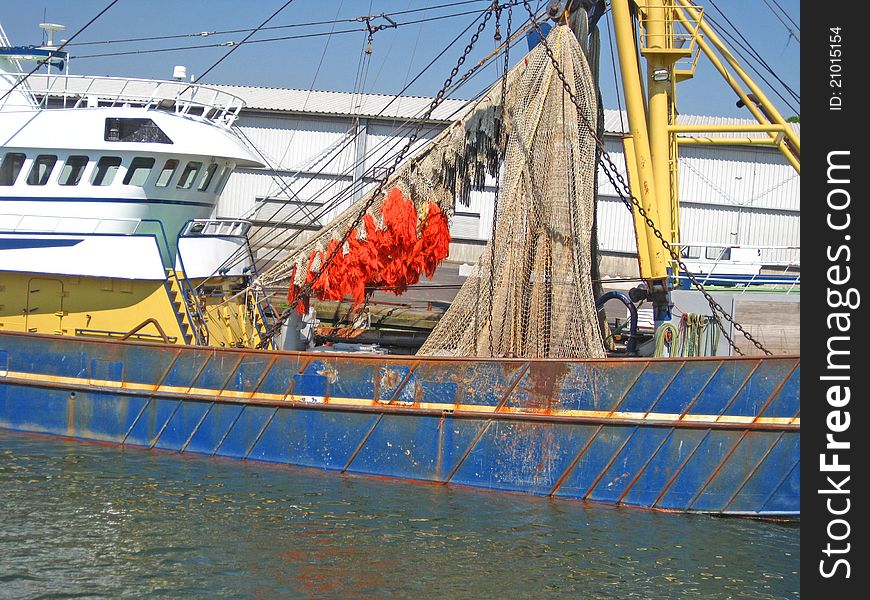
<point>672,34</point>
<point>653,254</point>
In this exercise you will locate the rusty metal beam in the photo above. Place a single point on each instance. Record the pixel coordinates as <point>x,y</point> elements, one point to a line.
<point>701,391</point>
<point>776,391</point>
<point>261,432</point>
<point>363,442</point>
<point>262,378</point>
<point>196,428</point>
<point>718,468</point>
<point>136,420</point>
<point>739,389</point>
<point>501,416</point>
<point>609,463</point>
<point>753,471</point>
<point>574,462</point>
<point>679,470</point>
<point>665,389</point>
<point>644,466</point>
<point>510,389</point>
<point>229,429</point>
<point>178,404</point>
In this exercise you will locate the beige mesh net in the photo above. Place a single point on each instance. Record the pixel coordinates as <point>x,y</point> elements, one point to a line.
<point>531,294</point>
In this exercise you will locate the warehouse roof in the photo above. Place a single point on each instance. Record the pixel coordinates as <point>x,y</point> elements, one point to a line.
<point>408,107</point>
<point>388,106</point>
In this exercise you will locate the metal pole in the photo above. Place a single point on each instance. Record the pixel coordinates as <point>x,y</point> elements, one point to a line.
<point>636,109</point>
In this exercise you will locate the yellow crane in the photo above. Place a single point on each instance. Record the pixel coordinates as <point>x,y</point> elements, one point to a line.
<point>670,35</point>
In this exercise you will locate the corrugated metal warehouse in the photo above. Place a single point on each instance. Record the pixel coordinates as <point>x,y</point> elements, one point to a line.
<point>324,149</point>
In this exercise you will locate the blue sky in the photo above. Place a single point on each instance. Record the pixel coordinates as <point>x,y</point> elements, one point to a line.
<point>334,62</point>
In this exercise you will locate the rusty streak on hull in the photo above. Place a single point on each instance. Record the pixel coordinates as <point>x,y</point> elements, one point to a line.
<point>717,435</point>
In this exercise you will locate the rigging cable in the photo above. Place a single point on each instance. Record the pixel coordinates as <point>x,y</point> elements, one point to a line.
<point>307,97</point>
<point>247,37</point>
<point>351,189</point>
<point>499,130</point>
<point>333,22</point>
<point>784,24</point>
<point>753,54</point>
<point>272,39</point>
<point>61,47</point>
<point>307,286</point>
<point>747,46</point>
<point>737,46</point>
<point>787,16</point>
<point>354,137</point>
<point>387,55</point>
<point>407,124</point>
<point>624,191</point>
<point>239,255</point>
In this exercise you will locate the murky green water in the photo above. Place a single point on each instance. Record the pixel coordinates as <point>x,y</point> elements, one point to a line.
<point>86,520</point>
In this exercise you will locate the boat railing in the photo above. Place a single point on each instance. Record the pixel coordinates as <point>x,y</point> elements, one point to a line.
<point>216,228</point>
<point>183,98</point>
<point>724,269</point>
<point>664,33</point>
<point>771,256</point>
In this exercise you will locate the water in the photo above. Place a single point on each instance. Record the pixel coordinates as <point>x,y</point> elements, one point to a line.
<point>80,519</point>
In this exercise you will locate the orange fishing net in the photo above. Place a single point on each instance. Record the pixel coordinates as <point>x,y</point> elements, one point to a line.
<point>393,256</point>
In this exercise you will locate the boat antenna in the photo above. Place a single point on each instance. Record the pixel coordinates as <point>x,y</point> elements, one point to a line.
<point>48,31</point>
<point>62,46</point>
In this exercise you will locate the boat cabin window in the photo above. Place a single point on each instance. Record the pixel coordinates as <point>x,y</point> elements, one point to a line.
<point>138,172</point>
<point>691,252</point>
<point>222,179</point>
<point>134,130</point>
<point>717,253</point>
<point>188,175</point>
<point>11,167</point>
<point>107,168</point>
<point>41,169</point>
<point>166,173</point>
<point>207,177</point>
<point>72,170</point>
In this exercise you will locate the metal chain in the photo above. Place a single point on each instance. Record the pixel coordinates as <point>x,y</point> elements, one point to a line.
<point>501,128</point>
<point>625,194</point>
<point>306,287</point>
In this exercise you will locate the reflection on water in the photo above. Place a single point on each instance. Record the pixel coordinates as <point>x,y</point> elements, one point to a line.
<point>86,520</point>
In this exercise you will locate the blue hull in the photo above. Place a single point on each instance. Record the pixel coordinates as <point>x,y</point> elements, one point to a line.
<point>708,435</point>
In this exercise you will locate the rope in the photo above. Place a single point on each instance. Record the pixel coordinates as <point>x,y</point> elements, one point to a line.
<point>665,338</point>
<point>697,335</point>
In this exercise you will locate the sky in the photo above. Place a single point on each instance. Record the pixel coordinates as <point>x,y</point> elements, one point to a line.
<point>337,62</point>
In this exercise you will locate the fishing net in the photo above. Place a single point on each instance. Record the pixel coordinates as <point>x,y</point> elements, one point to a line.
<point>531,293</point>
<point>430,183</point>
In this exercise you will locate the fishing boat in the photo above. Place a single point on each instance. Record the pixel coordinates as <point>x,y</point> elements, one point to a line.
<point>128,316</point>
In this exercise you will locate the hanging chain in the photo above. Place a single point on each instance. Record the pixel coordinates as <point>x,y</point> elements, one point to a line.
<point>305,288</point>
<point>625,195</point>
<point>499,132</point>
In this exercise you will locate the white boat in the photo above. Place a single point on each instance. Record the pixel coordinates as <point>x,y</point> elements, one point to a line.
<point>106,186</point>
